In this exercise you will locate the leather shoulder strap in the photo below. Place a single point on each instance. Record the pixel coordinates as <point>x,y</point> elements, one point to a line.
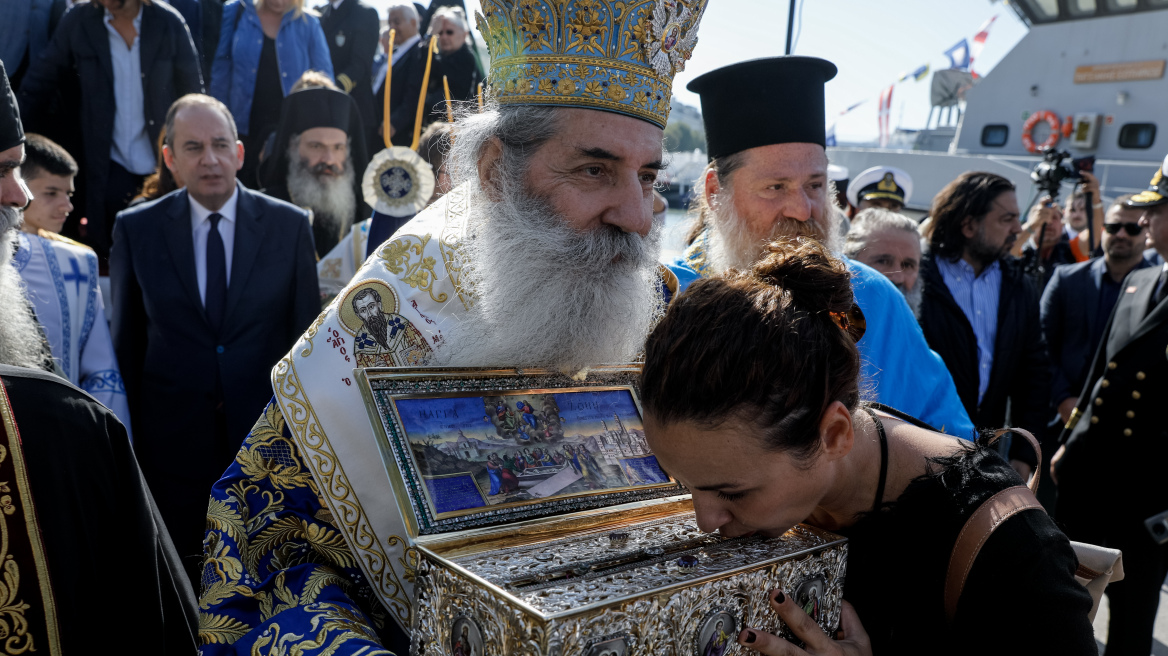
<point>980,526</point>
<point>1035,477</point>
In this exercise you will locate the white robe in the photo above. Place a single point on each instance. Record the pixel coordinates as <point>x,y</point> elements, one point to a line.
<point>60,276</point>
<point>338,266</point>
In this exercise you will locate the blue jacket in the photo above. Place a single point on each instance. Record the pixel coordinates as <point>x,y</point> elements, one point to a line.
<point>897,367</point>
<point>300,46</point>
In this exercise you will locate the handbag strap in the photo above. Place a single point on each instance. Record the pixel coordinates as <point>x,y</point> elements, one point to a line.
<point>978,528</point>
<point>1035,476</point>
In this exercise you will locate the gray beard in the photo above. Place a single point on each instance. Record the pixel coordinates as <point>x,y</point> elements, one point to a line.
<point>548,296</point>
<point>332,203</point>
<point>731,246</point>
<point>20,339</point>
<point>913,298</point>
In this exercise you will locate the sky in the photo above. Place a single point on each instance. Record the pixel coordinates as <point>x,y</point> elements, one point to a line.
<point>871,41</point>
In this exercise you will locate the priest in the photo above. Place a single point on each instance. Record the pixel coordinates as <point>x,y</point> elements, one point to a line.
<point>317,160</point>
<point>75,507</point>
<point>544,254</point>
<point>769,179</point>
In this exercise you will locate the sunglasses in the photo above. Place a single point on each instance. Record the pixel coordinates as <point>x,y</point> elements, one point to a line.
<point>1131,228</point>
<point>447,32</point>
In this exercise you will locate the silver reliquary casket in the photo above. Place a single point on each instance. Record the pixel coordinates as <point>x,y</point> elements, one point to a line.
<point>541,524</point>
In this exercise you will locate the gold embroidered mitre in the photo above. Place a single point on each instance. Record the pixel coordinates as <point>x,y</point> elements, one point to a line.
<point>596,54</point>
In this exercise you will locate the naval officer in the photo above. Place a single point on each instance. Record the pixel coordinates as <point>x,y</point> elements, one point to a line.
<point>1110,467</point>
<point>886,187</point>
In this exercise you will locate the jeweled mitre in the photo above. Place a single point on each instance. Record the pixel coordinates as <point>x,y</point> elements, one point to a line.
<point>614,56</point>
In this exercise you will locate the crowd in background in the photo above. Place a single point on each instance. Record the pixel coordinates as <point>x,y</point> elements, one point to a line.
<point>1016,302</point>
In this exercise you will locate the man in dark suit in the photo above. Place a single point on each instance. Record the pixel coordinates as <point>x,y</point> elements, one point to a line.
<point>1078,301</point>
<point>351,28</point>
<point>211,285</point>
<point>979,309</point>
<point>1110,467</point>
<point>130,69</point>
<point>409,59</point>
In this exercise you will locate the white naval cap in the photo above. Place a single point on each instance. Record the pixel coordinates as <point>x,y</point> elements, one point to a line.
<point>880,182</point>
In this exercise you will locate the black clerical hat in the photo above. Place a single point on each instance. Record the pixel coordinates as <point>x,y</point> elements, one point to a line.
<point>11,131</point>
<point>315,108</point>
<point>762,102</point>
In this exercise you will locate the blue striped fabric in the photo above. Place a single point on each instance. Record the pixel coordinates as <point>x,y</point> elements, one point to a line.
<point>977,296</point>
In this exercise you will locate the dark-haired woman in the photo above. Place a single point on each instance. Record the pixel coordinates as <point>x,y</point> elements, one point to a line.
<point>751,397</point>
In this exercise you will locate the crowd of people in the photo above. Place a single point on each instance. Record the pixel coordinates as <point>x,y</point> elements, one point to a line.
<point>853,353</point>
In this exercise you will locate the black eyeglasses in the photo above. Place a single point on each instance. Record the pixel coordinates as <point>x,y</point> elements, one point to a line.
<point>447,32</point>
<point>1131,228</point>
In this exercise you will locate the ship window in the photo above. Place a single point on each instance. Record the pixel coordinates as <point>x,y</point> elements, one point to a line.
<point>1082,7</point>
<point>1043,10</point>
<point>1121,5</point>
<point>1137,135</point>
<point>995,136</point>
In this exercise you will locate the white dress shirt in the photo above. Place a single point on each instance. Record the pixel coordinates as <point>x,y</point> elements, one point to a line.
<point>201,228</point>
<point>131,145</point>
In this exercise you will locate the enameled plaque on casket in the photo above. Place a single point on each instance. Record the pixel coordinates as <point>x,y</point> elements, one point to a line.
<point>541,524</point>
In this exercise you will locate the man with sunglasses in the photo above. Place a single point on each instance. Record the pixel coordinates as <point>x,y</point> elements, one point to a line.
<point>1078,301</point>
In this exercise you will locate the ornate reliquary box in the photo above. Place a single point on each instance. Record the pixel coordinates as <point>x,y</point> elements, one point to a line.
<point>541,524</point>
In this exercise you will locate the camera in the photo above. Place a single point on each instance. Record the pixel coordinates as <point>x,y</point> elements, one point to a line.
<point>1056,166</point>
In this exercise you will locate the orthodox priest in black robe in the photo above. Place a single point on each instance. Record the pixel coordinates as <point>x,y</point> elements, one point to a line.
<point>76,514</point>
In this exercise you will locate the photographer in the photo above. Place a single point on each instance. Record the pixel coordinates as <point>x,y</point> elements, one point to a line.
<point>1046,245</point>
<point>1075,218</point>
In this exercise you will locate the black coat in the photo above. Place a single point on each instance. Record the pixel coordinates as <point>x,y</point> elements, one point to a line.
<point>911,541</point>
<point>405,86</point>
<point>1021,371</point>
<point>1069,305</point>
<point>351,31</point>
<point>1113,469</point>
<point>194,393</point>
<point>80,50</point>
<point>461,69</point>
<point>95,513</point>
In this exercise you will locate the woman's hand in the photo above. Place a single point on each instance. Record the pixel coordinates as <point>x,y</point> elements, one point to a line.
<point>853,639</point>
<point>1091,186</point>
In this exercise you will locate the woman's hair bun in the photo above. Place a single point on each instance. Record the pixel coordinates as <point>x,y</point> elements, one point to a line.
<point>803,267</point>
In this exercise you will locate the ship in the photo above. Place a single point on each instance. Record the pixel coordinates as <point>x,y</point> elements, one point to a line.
<point>1088,79</point>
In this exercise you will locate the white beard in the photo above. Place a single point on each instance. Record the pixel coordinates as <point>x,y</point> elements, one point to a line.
<point>731,246</point>
<point>20,339</point>
<point>913,298</point>
<point>332,203</point>
<point>547,296</point>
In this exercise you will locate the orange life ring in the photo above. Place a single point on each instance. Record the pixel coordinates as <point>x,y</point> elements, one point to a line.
<point>1052,120</point>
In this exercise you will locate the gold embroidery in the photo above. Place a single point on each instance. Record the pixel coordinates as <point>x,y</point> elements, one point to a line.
<point>14,626</point>
<point>327,618</point>
<point>311,332</point>
<point>450,247</point>
<point>587,28</point>
<point>220,629</point>
<point>313,445</point>
<point>417,274</point>
<point>328,543</point>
